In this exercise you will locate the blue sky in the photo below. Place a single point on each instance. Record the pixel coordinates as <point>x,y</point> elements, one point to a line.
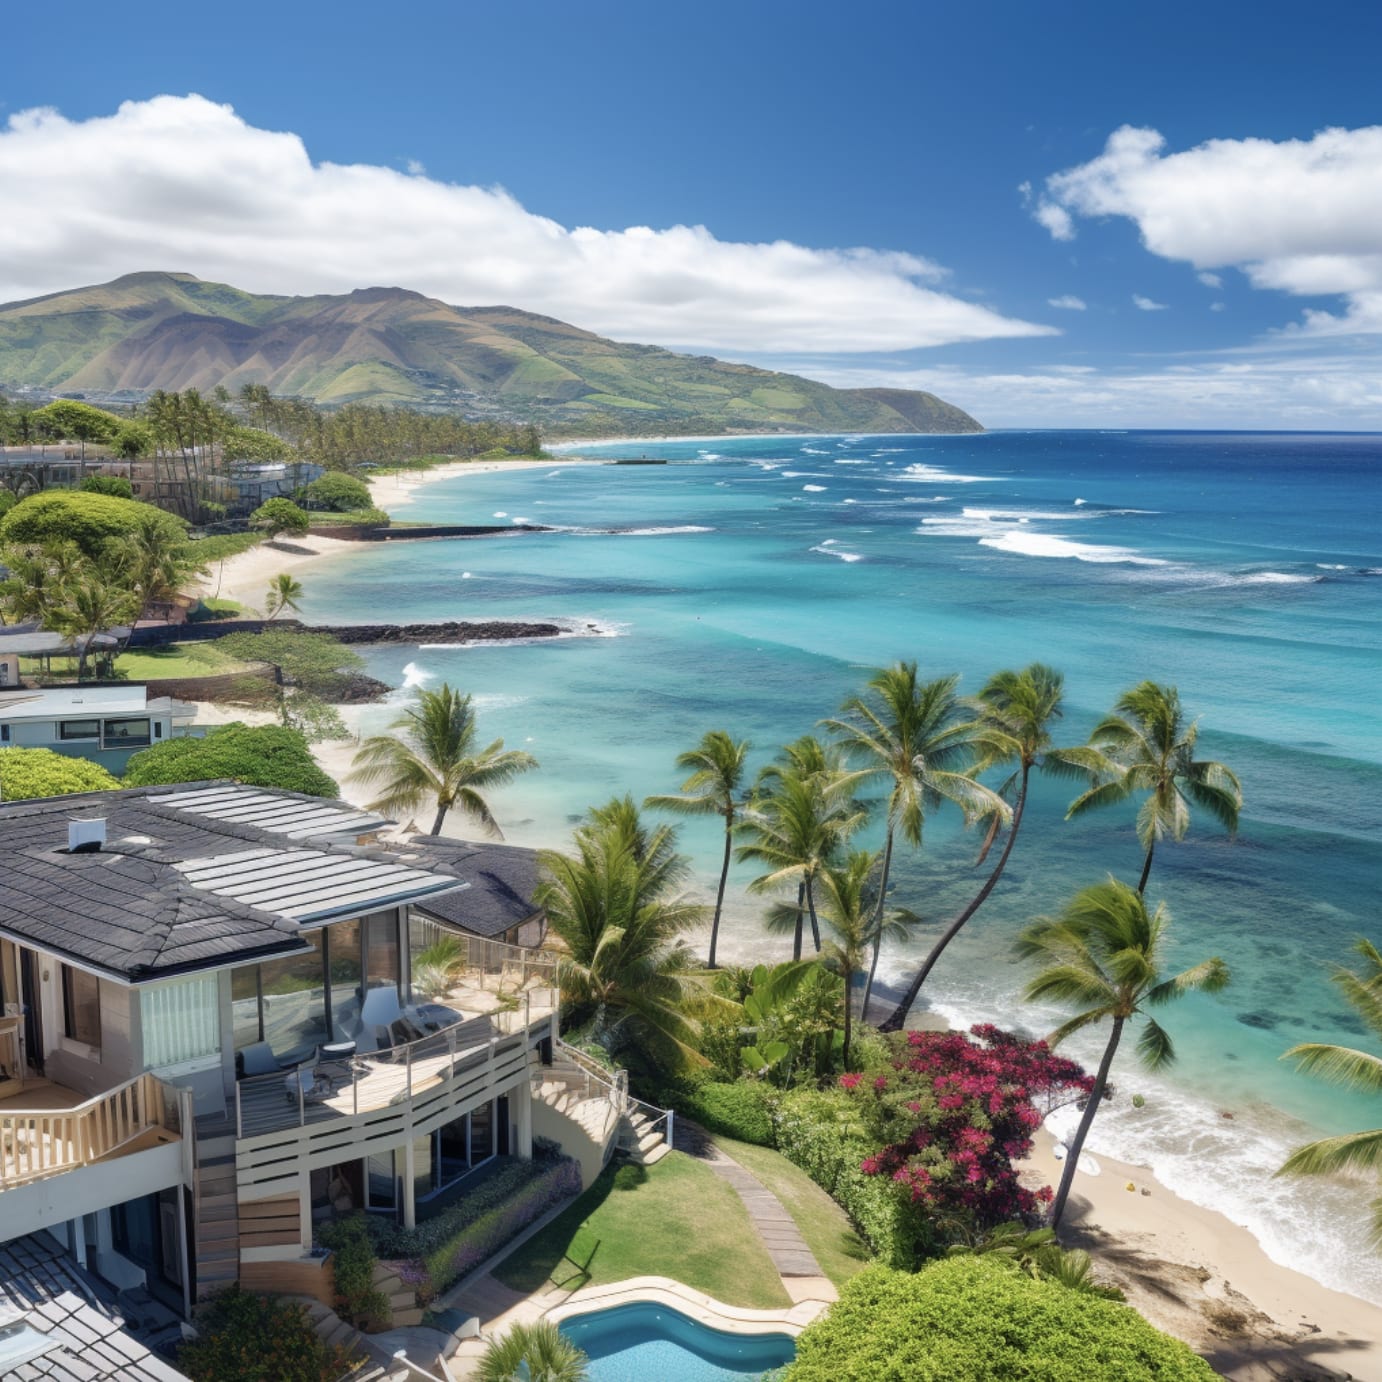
<point>908,131</point>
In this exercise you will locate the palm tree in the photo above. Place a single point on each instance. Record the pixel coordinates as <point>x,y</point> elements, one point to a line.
<point>284,593</point>
<point>537,1352</point>
<point>1015,711</point>
<point>1358,1151</point>
<point>716,766</point>
<point>801,815</point>
<point>1146,746</point>
<point>849,907</point>
<point>918,738</point>
<point>93,603</point>
<point>1103,954</point>
<point>616,904</point>
<point>435,758</point>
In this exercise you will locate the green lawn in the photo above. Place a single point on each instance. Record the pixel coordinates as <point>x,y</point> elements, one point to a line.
<point>676,1219</point>
<point>176,660</point>
<point>824,1225</point>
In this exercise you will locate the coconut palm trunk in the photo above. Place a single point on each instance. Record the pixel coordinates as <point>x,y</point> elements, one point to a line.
<point>720,891</point>
<point>1146,868</point>
<point>811,909</point>
<point>799,934</point>
<point>1072,1155</point>
<point>877,924</point>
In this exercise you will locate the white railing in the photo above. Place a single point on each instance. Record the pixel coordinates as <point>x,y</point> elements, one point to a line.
<point>35,1143</point>
<point>490,966</point>
<point>594,1080</point>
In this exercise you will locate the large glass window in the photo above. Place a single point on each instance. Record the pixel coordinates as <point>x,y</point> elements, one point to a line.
<point>381,950</point>
<point>181,1020</point>
<point>81,1006</point>
<point>244,1006</point>
<point>79,729</point>
<point>293,998</point>
<point>382,1191</point>
<point>481,1134</point>
<point>130,734</point>
<point>424,1173</point>
<point>343,963</point>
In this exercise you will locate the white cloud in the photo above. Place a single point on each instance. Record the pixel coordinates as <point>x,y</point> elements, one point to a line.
<point>1301,216</point>
<point>1069,302</point>
<point>1216,306</point>
<point>1210,280</point>
<point>1147,304</point>
<point>181,183</point>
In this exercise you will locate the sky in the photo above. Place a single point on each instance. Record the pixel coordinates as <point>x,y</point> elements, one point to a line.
<point>1055,214</point>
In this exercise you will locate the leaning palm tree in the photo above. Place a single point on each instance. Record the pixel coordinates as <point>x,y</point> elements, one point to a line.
<point>799,818</point>
<point>1358,1151</point>
<point>94,604</point>
<point>537,1352</point>
<point>616,903</point>
<point>716,766</point>
<point>284,594</point>
<point>849,908</point>
<point>1103,955</point>
<point>918,738</point>
<point>434,758</point>
<point>1014,714</point>
<point>1147,746</point>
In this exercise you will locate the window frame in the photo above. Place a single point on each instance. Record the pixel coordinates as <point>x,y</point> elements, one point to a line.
<point>72,1026</point>
<point>67,735</point>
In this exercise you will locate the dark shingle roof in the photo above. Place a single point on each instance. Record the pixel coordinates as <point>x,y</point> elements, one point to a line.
<point>502,881</point>
<point>40,1285</point>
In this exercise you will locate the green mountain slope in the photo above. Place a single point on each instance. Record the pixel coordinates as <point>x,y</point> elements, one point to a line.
<point>390,345</point>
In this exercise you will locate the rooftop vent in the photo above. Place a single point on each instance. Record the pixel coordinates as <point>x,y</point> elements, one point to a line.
<point>86,837</point>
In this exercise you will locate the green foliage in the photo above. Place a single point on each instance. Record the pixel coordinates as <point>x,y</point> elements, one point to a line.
<point>209,609</point>
<point>133,439</point>
<point>742,1110</point>
<point>29,773</point>
<point>67,419</point>
<point>247,1338</point>
<point>338,492</point>
<point>262,756</point>
<point>537,1352</point>
<point>276,516</point>
<point>252,444</point>
<point>219,546</point>
<point>352,1263</point>
<point>352,518</point>
<point>87,520</point>
<point>981,1320</point>
<point>7,501</point>
<point>314,662</point>
<point>115,485</point>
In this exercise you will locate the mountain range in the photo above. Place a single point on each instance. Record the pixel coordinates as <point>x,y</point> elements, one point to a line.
<point>118,341</point>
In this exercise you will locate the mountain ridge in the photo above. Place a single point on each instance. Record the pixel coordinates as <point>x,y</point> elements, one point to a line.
<point>171,330</point>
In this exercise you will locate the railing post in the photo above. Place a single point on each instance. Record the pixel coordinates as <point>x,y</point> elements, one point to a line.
<point>302,1102</point>
<point>239,1114</point>
<point>408,1067</point>
<point>670,1126</point>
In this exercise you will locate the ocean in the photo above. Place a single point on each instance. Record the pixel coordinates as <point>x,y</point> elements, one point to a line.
<point>753,583</point>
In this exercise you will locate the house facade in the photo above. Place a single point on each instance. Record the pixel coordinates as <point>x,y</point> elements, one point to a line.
<point>221,1024</point>
<point>107,724</point>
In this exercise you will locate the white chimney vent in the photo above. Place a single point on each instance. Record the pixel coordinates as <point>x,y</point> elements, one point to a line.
<point>86,837</point>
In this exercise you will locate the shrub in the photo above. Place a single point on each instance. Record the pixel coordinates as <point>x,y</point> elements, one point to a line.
<point>219,546</point>
<point>7,501</point>
<point>538,1350</point>
<point>89,520</point>
<point>981,1320</point>
<point>115,485</point>
<point>253,444</point>
<point>29,773</point>
<point>337,491</point>
<point>246,1338</point>
<point>354,518</point>
<point>314,662</point>
<point>277,516</point>
<point>209,608</point>
<point>741,1110</point>
<point>352,1262</point>
<point>262,756</point>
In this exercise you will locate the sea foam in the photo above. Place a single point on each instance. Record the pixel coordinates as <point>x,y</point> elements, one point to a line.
<point>1048,545</point>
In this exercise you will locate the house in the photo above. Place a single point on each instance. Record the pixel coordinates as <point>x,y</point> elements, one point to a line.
<point>500,905</point>
<point>107,724</point>
<point>212,1035</point>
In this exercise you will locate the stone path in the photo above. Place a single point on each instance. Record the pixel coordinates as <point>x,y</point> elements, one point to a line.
<point>795,1262</point>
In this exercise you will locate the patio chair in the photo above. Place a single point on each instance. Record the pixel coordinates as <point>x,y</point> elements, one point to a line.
<point>377,1013</point>
<point>258,1059</point>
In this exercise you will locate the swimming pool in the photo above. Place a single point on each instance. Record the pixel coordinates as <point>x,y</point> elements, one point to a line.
<point>632,1343</point>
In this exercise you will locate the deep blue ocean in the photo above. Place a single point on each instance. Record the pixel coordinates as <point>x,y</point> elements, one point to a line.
<point>752,584</point>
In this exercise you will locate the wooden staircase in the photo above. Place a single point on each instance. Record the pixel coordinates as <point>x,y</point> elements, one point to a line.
<point>217,1237</point>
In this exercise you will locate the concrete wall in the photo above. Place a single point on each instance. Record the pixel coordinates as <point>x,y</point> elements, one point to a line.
<point>576,1140</point>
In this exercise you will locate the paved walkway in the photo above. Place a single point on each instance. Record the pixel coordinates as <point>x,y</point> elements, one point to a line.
<point>795,1262</point>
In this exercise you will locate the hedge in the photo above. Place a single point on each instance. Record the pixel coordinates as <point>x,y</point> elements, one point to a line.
<point>979,1319</point>
<point>246,1338</point>
<point>89,520</point>
<point>258,756</point>
<point>741,1110</point>
<point>29,773</point>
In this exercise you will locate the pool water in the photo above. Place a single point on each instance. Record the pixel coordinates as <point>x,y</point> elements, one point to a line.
<point>632,1343</point>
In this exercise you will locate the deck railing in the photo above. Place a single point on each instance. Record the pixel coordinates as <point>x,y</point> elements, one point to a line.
<point>35,1143</point>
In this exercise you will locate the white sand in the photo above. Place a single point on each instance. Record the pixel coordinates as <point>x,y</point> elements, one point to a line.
<point>245,577</point>
<point>393,490</point>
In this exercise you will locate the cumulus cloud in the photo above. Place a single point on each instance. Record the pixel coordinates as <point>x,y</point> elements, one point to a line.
<point>1210,280</point>
<point>1069,302</point>
<point>1302,216</point>
<point>1147,304</point>
<point>182,183</point>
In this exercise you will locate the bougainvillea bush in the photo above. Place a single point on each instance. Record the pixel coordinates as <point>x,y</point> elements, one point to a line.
<point>953,1113</point>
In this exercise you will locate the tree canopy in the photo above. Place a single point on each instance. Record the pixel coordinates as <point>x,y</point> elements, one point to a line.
<point>88,520</point>
<point>259,756</point>
<point>277,516</point>
<point>337,492</point>
<point>29,773</point>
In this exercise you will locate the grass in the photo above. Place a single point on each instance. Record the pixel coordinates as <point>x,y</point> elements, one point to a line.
<point>215,609</point>
<point>222,545</point>
<point>176,660</point>
<point>676,1219</point>
<point>824,1225</point>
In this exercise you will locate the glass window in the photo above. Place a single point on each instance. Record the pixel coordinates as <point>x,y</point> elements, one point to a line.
<point>481,1133</point>
<point>79,729</point>
<point>126,733</point>
<point>380,1180</point>
<point>244,1006</point>
<point>294,1002</point>
<point>343,965</point>
<point>381,954</point>
<point>423,1176</point>
<point>181,1020</point>
<point>4,733</point>
<point>81,1006</point>
<point>453,1150</point>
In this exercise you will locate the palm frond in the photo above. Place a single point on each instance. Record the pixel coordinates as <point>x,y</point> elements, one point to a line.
<point>1339,1065</point>
<point>1356,1151</point>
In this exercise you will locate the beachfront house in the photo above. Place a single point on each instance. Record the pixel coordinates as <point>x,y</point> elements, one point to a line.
<point>107,724</point>
<point>212,1035</point>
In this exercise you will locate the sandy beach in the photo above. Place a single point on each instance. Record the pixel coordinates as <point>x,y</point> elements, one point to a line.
<point>393,490</point>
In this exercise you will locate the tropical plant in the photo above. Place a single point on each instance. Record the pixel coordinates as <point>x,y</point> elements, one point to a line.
<point>29,773</point>
<point>1103,955</point>
<point>1147,746</point>
<point>716,766</point>
<point>115,485</point>
<point>89,520</point>
<point>1362,1070</point>
<point>434,969</point>
<point>94,603</point>
<point>243,1337</point>
<point>284,594</point>
<point>795,1012</point>
<point>801,814</point>
<point>259,756</point>
<point>276,516</point>
<point>434,758</point>
<point>1036,1253</point>
<point>537,1352</point>
<point>1013,717</point>
<point>616,903</point>
<point>917,738</point>
<point>338,492</point>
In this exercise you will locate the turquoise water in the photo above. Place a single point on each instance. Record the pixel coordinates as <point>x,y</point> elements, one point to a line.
<point>633,1343</point>
<point>752,588</point>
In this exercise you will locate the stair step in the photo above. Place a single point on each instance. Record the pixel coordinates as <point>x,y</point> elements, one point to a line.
<point>402,1319</point>
<point>339,1333</point>
<point>403,1300</point>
